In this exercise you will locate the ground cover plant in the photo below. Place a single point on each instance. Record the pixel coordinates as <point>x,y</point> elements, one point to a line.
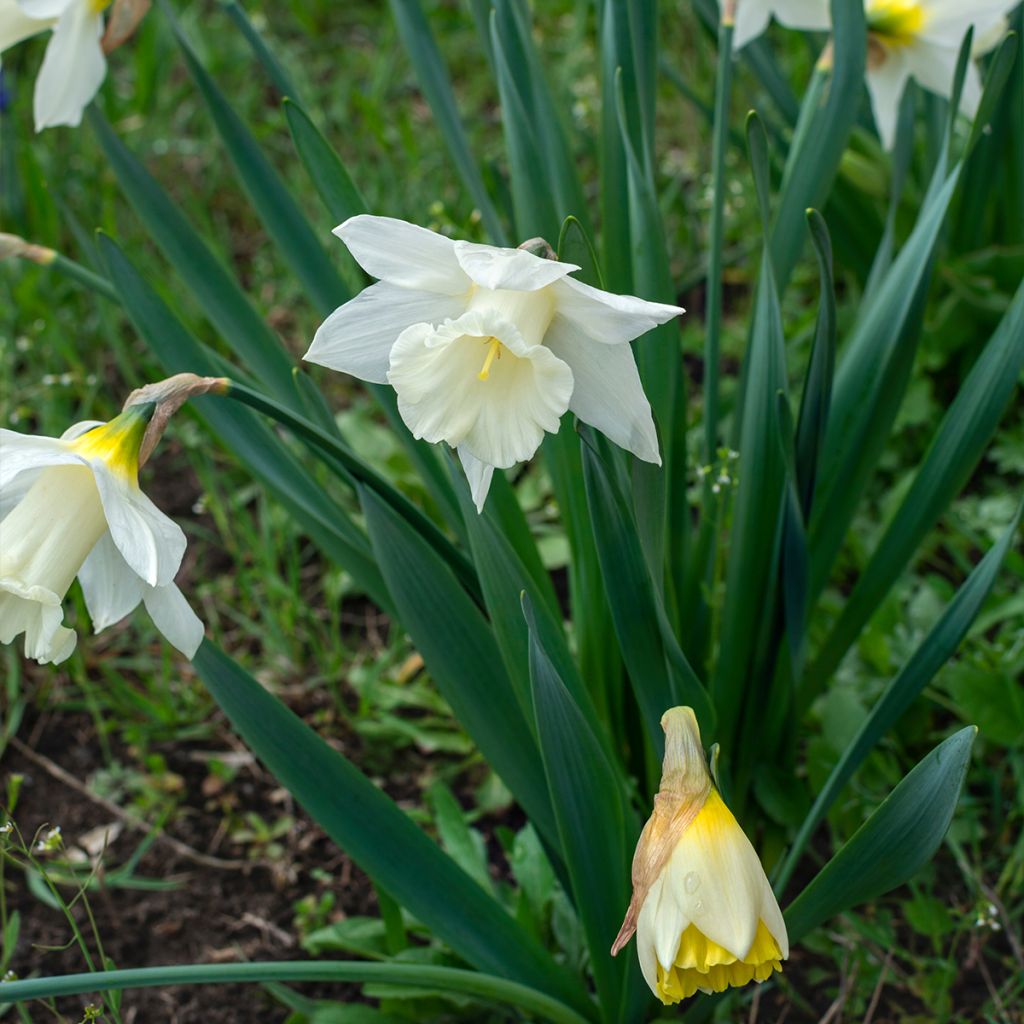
<point>816,512</point>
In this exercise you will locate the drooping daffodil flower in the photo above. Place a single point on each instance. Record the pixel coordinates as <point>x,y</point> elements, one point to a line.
<point>487,348</point>
<point>704,915</point>
<point>72,506</point>
<point>917,39</point>
<point>74,64</point>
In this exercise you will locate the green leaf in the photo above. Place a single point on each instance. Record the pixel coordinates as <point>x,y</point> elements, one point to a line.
<point>263,53</point>
<point>594,822</point>
<point>206,279</point>
<point>378,836</point>
<point>893,844</point>
<point>463,844</point>
<point>658,670</point>
<point>325,169</point>
<point>271,199</point>
<point>459,649</point>
<point>958,445</point>
<point>934,651</point>
<point>437,87</point>
<point>451,979</point>
<point>815,154</point>
<point>243,433</point>
<point>869,384</point>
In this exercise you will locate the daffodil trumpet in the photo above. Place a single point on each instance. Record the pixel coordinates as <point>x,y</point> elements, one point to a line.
<point>703,912</point>
<point>72,506</point>
<point>487,348</point>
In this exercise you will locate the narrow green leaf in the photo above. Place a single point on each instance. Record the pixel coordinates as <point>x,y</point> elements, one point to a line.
<point>459,649</point>
<point>814,405</point>
<point>593,820</point>
<point>893,844</point>
<point>271,199</point>
<point>934,651</point>
<point>658,670</point>
<point>436,85</point>
<point>261,51</point>
<point>331,179</point>
<point>958,445</point>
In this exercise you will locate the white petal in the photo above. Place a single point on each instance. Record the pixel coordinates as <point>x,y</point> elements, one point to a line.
<point>501,420</point>
<point>645,928</point>
<point>174,618</point>
<point>809,15</point>
<point>16,24</point>
<point>43,9</point>
<point>404,254</point>
<point>886,83</point>
<point>80,428</point>
<point>752,18</point>
<point>773,919</point>
<point>73,68</point>
<point>715,872</point>
<point>610,319</point>
<point>478,474</point>
<point>607,392</point>
<point>112,589</point>
<point>151,543</point>
<point>357,337</point>
<point>37,614</point>
<point>947,21</point>
<point>21,452</point>
<point>934,67</point>
<point>515,269</point>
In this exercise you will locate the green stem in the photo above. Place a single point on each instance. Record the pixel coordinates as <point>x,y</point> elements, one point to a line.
<point>720,136</point>
<point>83,275</point>
<point>449,979</point>
<point>342,459</point>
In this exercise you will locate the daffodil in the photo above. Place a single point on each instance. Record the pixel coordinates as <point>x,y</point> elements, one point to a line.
<point>921,39</point>
<point>703,912</point>
<point>487,348</point>
<point>917,39</point>
<point>72,506</point>
<point>752,16</point>
<point>74,64</point>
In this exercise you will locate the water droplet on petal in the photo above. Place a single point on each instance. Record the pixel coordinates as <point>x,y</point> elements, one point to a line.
<point>691,883</point>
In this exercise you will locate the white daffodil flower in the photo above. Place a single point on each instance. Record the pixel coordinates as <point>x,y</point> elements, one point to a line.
<point>487,348</point>
<point>73,66</point>
<point>921,39</point>
<point>704,915</point>
<point>72,506</point>
<point>752,16</point>
<point>917,39</point>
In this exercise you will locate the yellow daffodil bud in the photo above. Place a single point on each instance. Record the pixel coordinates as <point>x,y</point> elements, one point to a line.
<point>703,912</point>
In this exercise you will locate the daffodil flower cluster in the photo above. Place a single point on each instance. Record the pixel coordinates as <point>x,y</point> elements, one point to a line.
<point>907,39</point>
<point>487,348</point>
<point>704,915</point>
<point>72,506</point>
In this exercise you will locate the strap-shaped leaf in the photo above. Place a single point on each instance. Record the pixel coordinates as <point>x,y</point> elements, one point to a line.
<point>594,821</point>
<point>893,844</point>
<point>437,87</point>
<point>459,649</point>
<point>958,444</point>
<point>381,839</point>
<point>242,432</point>
<point>934,651</point>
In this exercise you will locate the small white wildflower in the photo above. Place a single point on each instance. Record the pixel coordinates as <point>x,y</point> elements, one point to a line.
<point>716,488</point>
<point>8,976</point>
<point>6,828</point>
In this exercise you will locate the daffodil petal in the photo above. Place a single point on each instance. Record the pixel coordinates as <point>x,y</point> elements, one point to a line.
<point>22,452</point>
<point>112,589</point>
<point>607,318</point>
<point>607,392</point>
<point>151,543</point>
<point>404,254</point>
<point>478,474</point>
<point>751,21</point>
<point>43,9</point>
<point>173,616</point>
<point>16,24</point>
<point>513,269</point>
<point>886,83</point>
<point>73,68</point>
<point>357,337</point>
<point>808,15</point>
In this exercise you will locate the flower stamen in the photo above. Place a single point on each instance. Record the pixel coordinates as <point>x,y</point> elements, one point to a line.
<point>493,352</point>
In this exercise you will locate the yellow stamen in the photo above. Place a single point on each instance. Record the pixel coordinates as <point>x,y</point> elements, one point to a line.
<point>897,22</point>
<point>493,352</point>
